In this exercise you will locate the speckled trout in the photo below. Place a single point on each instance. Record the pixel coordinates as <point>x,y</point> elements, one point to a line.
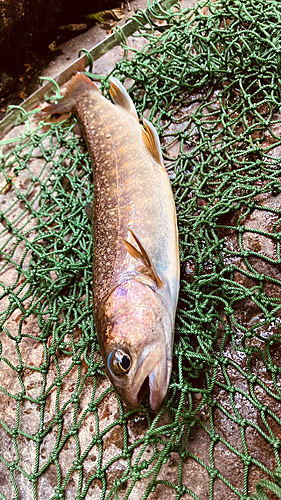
<point>136,254</point>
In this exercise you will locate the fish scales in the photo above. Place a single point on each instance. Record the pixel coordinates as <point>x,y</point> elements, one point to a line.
<point>136,263</point>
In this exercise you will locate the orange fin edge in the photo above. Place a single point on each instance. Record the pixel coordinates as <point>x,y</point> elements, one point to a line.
<point>151,141</point>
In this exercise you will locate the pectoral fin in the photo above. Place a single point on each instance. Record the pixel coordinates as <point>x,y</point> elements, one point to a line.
<point>121,97</point>
<point>147,267</point>
<point>151,141</point>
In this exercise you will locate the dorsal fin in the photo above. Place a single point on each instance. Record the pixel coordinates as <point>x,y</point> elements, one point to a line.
<point>78,84</point>
<point>147,267</point>
<point>121,97</point>
<point>151,141</point>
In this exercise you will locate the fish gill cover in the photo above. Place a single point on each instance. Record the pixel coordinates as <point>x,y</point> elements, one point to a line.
<point>209,79</point>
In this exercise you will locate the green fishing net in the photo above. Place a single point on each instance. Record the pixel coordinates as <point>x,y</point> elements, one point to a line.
<point>209,79</point>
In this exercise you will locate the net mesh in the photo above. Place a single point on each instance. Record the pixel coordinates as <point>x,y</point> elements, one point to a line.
<point>209,79</point>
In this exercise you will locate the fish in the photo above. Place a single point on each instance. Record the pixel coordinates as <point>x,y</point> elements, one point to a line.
<point>136,268</point>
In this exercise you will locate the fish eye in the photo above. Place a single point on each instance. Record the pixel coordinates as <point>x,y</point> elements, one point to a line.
<point>119,362</point>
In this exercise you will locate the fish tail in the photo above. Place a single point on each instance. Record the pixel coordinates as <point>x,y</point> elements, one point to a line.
<point>78,84</point>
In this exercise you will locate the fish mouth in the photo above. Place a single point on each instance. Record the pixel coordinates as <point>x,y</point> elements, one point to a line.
<point>151,377</point>
<point>143,391</point>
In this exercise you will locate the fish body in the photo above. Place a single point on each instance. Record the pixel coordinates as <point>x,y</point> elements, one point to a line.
<point>136,255</point>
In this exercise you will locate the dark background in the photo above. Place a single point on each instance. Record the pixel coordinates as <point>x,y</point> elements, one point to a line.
<point>27,28</point>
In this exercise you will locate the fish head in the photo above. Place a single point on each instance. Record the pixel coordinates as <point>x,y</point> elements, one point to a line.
<point>134,345</point>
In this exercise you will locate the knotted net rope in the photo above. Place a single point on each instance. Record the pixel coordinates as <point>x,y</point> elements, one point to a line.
<point>209,79</point>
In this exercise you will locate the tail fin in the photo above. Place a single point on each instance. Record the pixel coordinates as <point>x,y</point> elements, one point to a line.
<point>78,84</point>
